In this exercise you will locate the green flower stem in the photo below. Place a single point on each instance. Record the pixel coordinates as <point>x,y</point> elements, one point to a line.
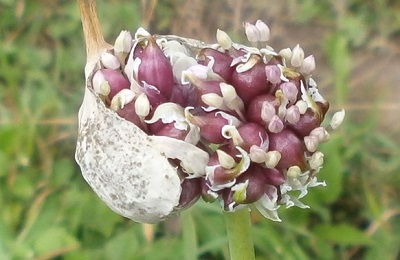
<point>189,236</point>
<point>238,226</point>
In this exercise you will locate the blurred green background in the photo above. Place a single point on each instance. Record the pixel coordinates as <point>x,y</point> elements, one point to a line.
<point>47,211</point>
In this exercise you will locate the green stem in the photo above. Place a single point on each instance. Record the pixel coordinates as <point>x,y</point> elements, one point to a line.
<point>189,236</point>
<point>238,226</point>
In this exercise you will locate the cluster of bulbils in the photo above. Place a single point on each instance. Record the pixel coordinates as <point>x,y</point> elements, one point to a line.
<point>256,112</point>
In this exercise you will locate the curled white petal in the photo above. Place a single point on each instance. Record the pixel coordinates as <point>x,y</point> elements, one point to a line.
<point>212,99</point>
<point>231,132</point>
<point>141,33</point>
<point>168,112</point>
<point>122,98</point>
<point>232,120</point>
<point>248,64</point>
<point>100,85</point>
<point>267,205</point>
<point>183,151</point>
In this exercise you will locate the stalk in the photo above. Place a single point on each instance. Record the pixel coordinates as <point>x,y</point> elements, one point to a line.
<point>94,39</point>
<point>238,226</point>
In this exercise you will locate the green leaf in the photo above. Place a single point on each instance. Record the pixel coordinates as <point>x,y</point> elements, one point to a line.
<point>342,234</point>
<point>123,246</point>
<point>53,239</point>
<point>98,217</point>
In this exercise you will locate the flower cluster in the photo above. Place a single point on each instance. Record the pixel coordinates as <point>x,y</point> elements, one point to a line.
<point>256,112</point>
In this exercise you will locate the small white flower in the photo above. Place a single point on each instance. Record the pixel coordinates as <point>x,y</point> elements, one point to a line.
<point>263,29</point>
<point>317,160</point>
<point>272,159</point>
<point>225,159</point>
<point>123,43</point>
<point>251,31</point>
<point>308,65</point>
<point>311,142</point>
<point>142,105</point>
<point>297,56</point>
<point>109,61</point>
<point>168,113</point>
<point>337,119</point>
<point>224,40</point>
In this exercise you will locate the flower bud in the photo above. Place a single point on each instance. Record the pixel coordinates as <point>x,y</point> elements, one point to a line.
<point>221,177</point>
<point>307,122</point>
<point>274,176</point>
<point>220,61</point>
<point>170,130</point>
<point>273,74</point>
<point>292,115</point>
<point>154,95</point>
<point>154,67</point>
<point>252,134</point>
<point>207,194</point>
<point>191,191</point>
<point>275,125</point>
<point>128,113</point>
<point>251,82</point>
<point>293,172</point>
<point>123,97</point>
<point>250,186</point>
<point>289,91</point>
<point>211,125</point>
<point>184,95</point>
<point>111,80</point>
<point>261,109</point>
<point>290,147</point>
<point>122,47</point>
